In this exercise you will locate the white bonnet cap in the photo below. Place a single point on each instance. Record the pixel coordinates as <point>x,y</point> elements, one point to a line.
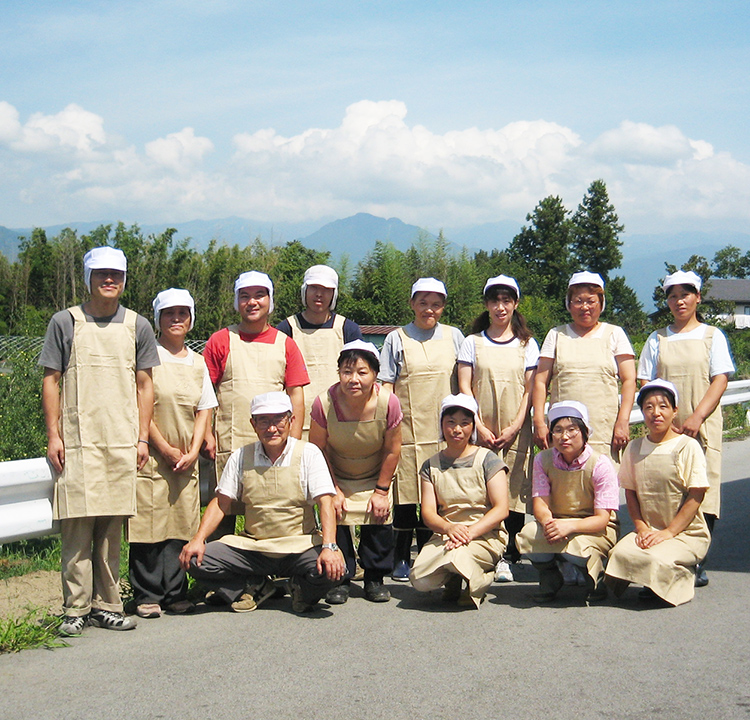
<point>428,285</point>
<point>568,408</point>
<point>173,297</point>
<point>585,278</point>
<point>253,279</point>
<point>681,277</point>
<point>364,346</point>
<point>271,403</point>
<point>661,385</point>
<point>467,402</point>
<point>321,275</point>
<point>504,280</point>
<point>103,258</point>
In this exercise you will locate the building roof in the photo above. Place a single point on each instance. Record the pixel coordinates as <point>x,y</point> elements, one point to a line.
<point>732,289</point>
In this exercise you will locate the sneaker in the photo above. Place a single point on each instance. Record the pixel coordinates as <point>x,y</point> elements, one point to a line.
<point>180,607</point>
<point>73,625</point>
<point>338,595</point>
<point>148,610</point>
<point>215,599</point>
<point>112,620</point>
<point>502,571</point>
<point>376,592</point>
<point>401,571</point>
<point>254,597</point>
<point>295,590</point>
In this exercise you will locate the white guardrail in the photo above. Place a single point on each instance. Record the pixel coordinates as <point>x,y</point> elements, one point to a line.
<point>26,485</point>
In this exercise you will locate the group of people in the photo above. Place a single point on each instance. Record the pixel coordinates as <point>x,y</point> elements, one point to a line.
<point>316,434</point>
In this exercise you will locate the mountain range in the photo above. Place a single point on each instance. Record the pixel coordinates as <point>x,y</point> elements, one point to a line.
<point>643,255</point>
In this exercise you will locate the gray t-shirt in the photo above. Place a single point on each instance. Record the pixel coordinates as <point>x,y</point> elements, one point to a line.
<point>392,354</point>
<point>491,465</point>
<point>58,340</point>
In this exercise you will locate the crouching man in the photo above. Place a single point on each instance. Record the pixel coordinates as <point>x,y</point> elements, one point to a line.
<point>279,478</point>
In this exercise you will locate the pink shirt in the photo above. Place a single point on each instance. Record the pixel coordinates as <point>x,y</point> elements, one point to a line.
<point>393,414</point>
<point>606,486</point>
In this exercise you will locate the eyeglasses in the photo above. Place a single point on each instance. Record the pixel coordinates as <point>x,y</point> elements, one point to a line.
<point>266,421</point>
<point>585,303</point>
<point>570,432</point>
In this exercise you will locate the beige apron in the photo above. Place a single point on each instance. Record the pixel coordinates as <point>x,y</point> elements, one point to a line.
<point>252,368</point>
<point>461,495</point>
<point>355,451</point>
<point>498,384</point>
<point>572,496</point>
<point>669,567</point>
<point>278,519</point>
<point>168,502</point>
<point>320,347</point>
<point>686,364</point>
<point>584,370</point>
<point>426,377</point>
<point>99,421</point>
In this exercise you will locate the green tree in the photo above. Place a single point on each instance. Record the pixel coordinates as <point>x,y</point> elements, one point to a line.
<point>596,230</point>
<point>729,262</point>
<point>540,254</point>
<point>623,307</point>
<point>289,271</point>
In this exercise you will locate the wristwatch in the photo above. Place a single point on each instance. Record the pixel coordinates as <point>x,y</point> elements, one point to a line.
<point>330,546</point>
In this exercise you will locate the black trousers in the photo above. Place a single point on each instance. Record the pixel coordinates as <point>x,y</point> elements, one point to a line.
<point>406,521</point>
<point>375,549</point>
<point>155,572</point>
<point>229,570</point>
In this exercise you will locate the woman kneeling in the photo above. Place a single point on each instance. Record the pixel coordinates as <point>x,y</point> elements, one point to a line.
<point>575,498</point>
<point>664,476</point>
<point>464,500</point>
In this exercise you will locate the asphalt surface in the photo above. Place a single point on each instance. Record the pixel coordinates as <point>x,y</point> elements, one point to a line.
<point>415,657</point>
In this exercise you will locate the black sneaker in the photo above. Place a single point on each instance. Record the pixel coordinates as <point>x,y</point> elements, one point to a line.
<point>375,591</point>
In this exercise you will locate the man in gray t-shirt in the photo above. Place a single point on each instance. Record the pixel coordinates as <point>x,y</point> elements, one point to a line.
<point>97,398</point>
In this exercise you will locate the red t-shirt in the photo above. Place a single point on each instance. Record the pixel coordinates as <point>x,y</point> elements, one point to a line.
<point>217,351</point>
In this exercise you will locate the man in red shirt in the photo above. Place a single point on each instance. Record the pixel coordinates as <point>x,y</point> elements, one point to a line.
<point>248,359</point>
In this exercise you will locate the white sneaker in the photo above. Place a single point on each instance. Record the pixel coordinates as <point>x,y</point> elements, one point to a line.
<point>502,571</point>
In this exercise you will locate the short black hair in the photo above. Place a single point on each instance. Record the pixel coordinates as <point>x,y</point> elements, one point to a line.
<point>576,421</point>
<point>349,357</point>
<point>643,394</point>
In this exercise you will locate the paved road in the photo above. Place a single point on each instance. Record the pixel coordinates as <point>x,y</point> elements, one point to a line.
<point>414,658</point>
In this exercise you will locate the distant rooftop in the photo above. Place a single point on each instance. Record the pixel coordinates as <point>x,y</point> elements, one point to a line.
<point>733,289</point>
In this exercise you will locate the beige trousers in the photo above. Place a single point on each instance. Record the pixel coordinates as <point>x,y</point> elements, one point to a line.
<point>91,564</point>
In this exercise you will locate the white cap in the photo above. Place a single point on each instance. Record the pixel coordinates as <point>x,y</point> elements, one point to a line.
<point>661,385</point>
<point>568,408</point>
<point>682,278</point>
<point>173,297</point>
<point>585,278</point>
<point>362,345</point>
<point>504,280</point>
<point>271,403</point>
<point>103,258</point>
<point>428,285</point>
<point>324,276</point>
<point>253,279</point>
<point>467,402</point>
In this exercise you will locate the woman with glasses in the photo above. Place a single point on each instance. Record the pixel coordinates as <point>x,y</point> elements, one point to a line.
<point>587,359</point>
<point>357,425</point>
<point>575,498</point>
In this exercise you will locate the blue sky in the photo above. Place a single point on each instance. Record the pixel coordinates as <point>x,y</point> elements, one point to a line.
<point>440,113</point>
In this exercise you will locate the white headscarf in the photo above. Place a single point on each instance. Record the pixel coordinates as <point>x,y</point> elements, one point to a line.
<point>103,258</point>
<point>173,297</point>
<point>253,279</point>
<point>324,276</point>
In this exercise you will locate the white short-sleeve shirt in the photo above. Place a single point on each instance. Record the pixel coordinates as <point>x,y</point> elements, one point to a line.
<point>720,357</point>
<point>468,355</point>
<point>314,479</point>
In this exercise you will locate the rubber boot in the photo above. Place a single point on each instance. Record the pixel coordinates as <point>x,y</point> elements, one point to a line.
<point>550,581</point>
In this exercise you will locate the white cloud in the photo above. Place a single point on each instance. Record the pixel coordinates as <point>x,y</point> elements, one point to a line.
<point>65,167</point>
<point>179,151</point>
